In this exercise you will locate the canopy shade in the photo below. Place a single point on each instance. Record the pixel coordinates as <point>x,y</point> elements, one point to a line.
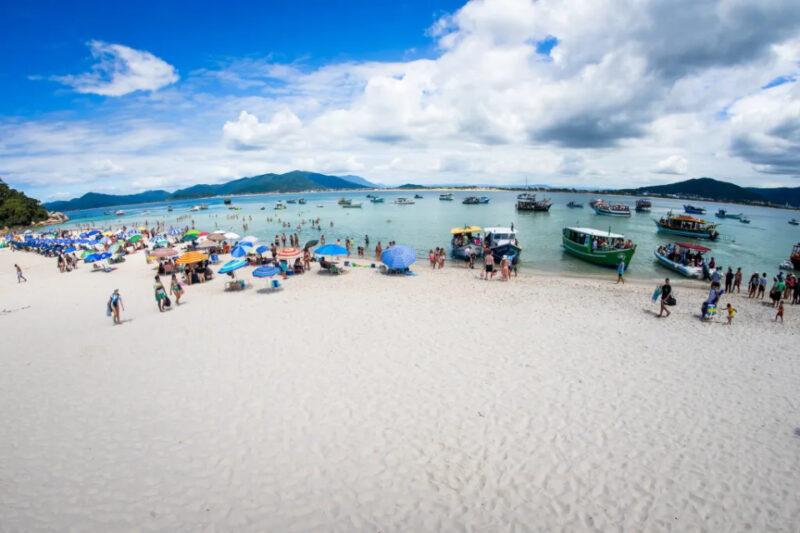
<point>465,229</point>
<point>695,247</point>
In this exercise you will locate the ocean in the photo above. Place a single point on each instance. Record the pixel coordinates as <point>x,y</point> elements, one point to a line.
<point>759,246</point>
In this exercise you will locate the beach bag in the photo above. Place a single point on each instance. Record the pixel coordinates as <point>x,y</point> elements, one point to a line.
<point>670,300</point>
<point>108,309</point>
<point>167,301</point>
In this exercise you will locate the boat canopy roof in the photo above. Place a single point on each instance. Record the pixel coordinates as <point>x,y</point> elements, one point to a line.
<point>688,218</point>
<point>465,229</point>
<point>696,247</point>
<point>498,230</point>
<point>597,233</point>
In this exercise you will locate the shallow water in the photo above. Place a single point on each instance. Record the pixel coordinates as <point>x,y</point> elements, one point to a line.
<point>759,246</point>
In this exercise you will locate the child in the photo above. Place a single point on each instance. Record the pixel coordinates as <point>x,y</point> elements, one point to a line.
<point>780,313</point>
<point>731,314</point>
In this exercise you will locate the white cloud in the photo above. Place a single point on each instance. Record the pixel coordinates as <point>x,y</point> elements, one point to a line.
<point>121,70</point>
<point>248,132</point>
<point>673,164</point>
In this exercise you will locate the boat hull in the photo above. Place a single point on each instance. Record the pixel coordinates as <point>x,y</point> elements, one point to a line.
<point>512,251</point>
<point>605,258</point>
<point>708,235</point>
<point>462,252</point>
<point>609,213</point>
<point>684,270</point>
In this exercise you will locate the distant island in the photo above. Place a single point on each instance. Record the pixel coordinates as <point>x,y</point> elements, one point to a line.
<point>294,181</point>
<point>699,189</point>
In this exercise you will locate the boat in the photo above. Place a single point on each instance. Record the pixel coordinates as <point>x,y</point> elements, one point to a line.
<point>263,208</point>
<point>687,226</point>
<point>722,213</point>
<point>794,222</point>
<point>234,208</point>
<point>418,196</point>
<point>682,257</point>
<point>301,201</point>
<point>343,201</point>
<point>280,205</point>
<point>534,205</point>
<point>598,247</point>
<point>502,242</point>
<point>526,196</point>
<point>643,205</point>
<point>574,205</point>
<point>169,208</point>
<point>475,200</point>
<point>404,201</point>
<point>352,205</point>
<point>611,210</point>
<point>199,207</point>
<point>292,201</point>
<point>595,202</point>
<point>744,220</point>
<point>119,212</point>
<point>227,201</point>
<point>446,197</point>
<point>376,200</point>
<point>795,256</point>
<point>466,241</point>
<point>694,210</point>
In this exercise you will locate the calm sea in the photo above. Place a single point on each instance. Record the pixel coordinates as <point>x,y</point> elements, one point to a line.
<point>759,246</point>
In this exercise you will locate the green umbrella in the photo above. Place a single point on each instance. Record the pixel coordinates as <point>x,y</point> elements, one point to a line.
<point>190,237</point>
<point>135,238</point>
<point>193,232</point>
<point>85,253</point>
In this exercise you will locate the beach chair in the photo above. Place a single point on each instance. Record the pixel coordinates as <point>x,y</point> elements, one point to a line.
<point>214,259</point>
<point>235,285</point>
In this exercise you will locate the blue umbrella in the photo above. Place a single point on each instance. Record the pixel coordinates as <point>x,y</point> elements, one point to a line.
<point>232,265</point>
<point>70,250</point>
<point>261,249</point>
<point>91,258</point>
<point>331,249</point>
<point>238,251</point>
<point>104,255</point>
<point>266,271</point>
<point>399,257</point>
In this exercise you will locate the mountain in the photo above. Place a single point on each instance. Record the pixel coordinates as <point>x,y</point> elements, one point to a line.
<point>16,209</point>
<point>779,195</point>
<point>412,186</point>
<point>358,180</point>
<point>294,181</point>
<point>705,188</point>
<point>92,200</point>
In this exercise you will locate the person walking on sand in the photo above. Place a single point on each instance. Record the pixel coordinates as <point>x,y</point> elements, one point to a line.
<point>731,313</point>
<point>762,286</point>
<point>114,305</point>
<point>621,271</point>
<point>488,270</point>
<point>20,277</point>
<point>666,292</point>
<point>737,280</point>
<point>160,293</point>
<point>729,280</point>
<point>779,314</point>
<point>176,289</point>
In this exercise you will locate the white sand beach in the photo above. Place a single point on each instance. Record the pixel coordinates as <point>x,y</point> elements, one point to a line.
<point>363,402</point>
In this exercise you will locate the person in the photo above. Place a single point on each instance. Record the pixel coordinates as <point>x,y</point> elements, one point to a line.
<point>779,289</point>
<point>306,259</point>
<point>378,251</point>
<point>160,293</point>
<point>666,292</point>
<point>731,313</point>
<point>753,286</point>
<point>471,258</point>
<point>441,258</point>
<point>714,295</point>
<point>488,261</point>
<point>20,277</point>
<point>716,277</point>
<point>176,289</point>
<point>432,259</point>
<point>114,304</point>
<point>762,286</point>
<point>621,271</point>
<point>779,314</point>
<point>505,271</point>
<point>729,280</point>
<point>737,280</point>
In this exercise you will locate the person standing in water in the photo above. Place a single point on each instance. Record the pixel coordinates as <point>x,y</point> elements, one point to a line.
<point>20,277</point>
<point>621,271</point>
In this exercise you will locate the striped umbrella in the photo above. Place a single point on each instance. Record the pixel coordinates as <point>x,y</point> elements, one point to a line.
<point>289,252</point>
<point>165,252</point>
<point>191,257</point>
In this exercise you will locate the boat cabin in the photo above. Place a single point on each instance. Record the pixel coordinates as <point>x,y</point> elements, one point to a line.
<point>597,240</point>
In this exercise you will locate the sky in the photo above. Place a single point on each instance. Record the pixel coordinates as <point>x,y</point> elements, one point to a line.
<point>123,97</point>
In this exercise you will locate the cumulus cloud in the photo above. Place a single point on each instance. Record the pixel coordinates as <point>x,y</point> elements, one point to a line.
<point>249,133</point>
<point>673,164</point>
<point>121,70</point>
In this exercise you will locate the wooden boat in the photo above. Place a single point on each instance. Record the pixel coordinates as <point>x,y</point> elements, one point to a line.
<point>794,222</point>
<point>694,210</point>
<point>534,205</point>
<point>679,257</point>
<point>446,197</point>
<point>795,256</point>
<point>352,205</point>
<point>475,200</point>
<point>466,241</point>
<point>574,205</point>
<point>687,226</point>
<point>376,200</point>
<point>722,213</point>
<point>643,205</point>
<point>612,210</point>
<point>418,196</point>
<point>599,247</point>
<point>503,243</point>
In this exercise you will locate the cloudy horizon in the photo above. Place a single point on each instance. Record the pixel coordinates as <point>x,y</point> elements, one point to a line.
<point>584,94</point>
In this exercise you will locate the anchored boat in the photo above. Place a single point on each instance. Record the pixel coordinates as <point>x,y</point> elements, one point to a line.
<point>683,257</point>
<point>376,200</point>
<point>404,201</point>
<point>502,242</point>
<point>611,210</point>
<point>574,205</point>
<point>687,226</point>
<point>694,210</point>
<point>352,205</point>
<point>418,196</point>
<point>643,205</point>
<point>744,220</point>
<point>794,222</point>
<point>446,197</point>
<point>599,247</point>
<point>475,200</point>
<point>466,241</point>
<point>722,213</point>
<point>534,205</point>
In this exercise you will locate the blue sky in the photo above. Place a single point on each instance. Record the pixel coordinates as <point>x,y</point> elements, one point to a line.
<point>121,97</point>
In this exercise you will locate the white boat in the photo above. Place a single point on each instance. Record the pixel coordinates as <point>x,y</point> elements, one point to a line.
<point>119,212</point>
<point>446,197</point>
<point>280,205</point>
<point>612,210</point>
<point>676,256</point>
<point>404,201</point>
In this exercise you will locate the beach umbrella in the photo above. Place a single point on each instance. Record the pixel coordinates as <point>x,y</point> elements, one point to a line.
<point>250,239</point>
<point>136,238</point>
<point>331,249</point>
<point>218,237</point>
<point>91,258</point>
<point>246,243</point>
<point>191,257</point>
<point>104,255</point>
<point>262,249</point>
<point>310,243</point>
<point>190,237</point>
<point>165,252</point>
<point>266,271</point>
<point>289,252</point>
<point>193,232</point>
<point>69,250</point>
<point>231,236</point>
<point>203,234</point>
<point>238,251</point>
<point>232,265</point>
<point>399,257</point>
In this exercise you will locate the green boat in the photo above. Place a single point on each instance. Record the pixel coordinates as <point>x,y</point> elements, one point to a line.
<point>599,247</point>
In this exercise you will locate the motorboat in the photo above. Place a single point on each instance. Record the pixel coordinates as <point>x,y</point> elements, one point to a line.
<point>574,205</point>
<point>687,226</point>
<point>794,222</point>
<point>466,241</point>
<point>611,210</point>
<point>643,205</point>
<point>683,257</point>
<point>744,220</point>
<point>694,210</point>
<point>418,196</point>
<point>376,200</point>
<point>534,205</point>
<point>722,213</point>
<point>475,200</point>
<point>404,201</point>
<point>352,205</point>
<point>446,197</point>
<point>502,242</point>
<point>597,246</point>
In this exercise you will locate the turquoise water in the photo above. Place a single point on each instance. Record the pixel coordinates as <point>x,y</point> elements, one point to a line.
<point>759,246</point>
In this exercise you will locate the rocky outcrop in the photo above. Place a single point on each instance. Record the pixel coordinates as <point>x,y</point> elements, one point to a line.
<point>53,217</point>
